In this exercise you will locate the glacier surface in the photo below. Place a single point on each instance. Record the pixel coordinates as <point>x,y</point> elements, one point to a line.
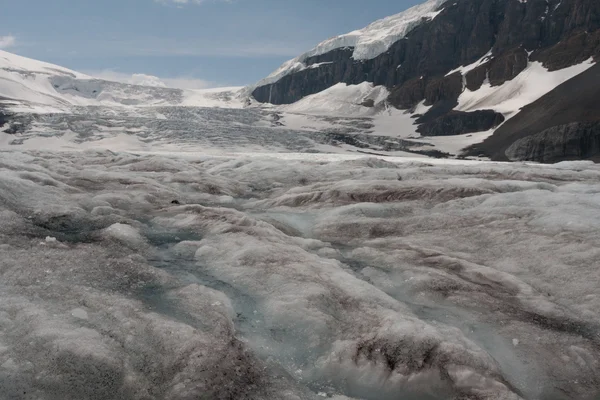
<point>147,276</point>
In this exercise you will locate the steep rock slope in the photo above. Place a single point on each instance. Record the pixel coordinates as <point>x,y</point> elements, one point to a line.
<point>443,50</point>
<point>563,124</point>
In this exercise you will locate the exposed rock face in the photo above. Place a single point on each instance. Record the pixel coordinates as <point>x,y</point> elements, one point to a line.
<point>463,32</point>
<point>558,33</point>
<point>574,102</point>
<point>563,142</point>
<point>457,123</point>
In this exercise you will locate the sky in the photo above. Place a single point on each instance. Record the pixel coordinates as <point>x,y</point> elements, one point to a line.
<point>184,43</point>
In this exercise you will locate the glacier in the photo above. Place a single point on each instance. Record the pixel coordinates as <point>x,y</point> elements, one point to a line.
<point>162,243</point>
<point>56,108</point>
<point>367,43</point>
<point>140,275</point>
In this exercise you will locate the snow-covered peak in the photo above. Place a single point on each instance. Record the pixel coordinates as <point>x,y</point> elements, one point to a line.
<point>377,38</point>
<point>12,62</point>
<point>28,85</point>
<point>368,42</point>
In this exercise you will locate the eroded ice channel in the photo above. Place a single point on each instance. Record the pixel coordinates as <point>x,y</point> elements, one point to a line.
<point>153,277</point>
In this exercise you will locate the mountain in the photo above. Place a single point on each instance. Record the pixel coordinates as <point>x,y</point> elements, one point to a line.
<point>51,107</point>
<point>469,67</point>
<point>32,86</point>
<point>501,79</point>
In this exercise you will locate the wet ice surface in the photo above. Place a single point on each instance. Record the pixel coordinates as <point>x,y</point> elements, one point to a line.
<point>130,276</point>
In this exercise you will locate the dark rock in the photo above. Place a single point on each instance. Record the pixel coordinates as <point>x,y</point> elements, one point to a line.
<point>575,101</point>
<point>507,66</point>
<point>368,103</point>
<point>439,109</point>
<point>462,33</point>
<point>476,77</point>
<point>574,141</point>
<point>560,32</point>
<point>409,94</point>
<point>458,123</point>
<point>444,88</point>
<point>573,50</point>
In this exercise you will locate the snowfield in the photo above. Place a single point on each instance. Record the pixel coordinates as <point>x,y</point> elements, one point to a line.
<point>31,86</point>
<point>147,276</point>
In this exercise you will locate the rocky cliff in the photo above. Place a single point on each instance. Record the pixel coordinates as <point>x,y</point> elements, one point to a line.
<point>503,38</point>
<point>563,124</point>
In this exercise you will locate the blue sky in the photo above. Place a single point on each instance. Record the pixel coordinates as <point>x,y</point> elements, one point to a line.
<point>183,42</point>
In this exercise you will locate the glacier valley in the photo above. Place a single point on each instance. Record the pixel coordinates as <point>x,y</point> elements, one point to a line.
<point>140,275</point>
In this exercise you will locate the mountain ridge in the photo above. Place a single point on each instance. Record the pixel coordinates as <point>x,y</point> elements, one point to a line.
<point>506,37</point>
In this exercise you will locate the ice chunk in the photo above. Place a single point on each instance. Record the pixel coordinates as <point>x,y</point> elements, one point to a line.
<point>79,313</point>
<point>126,234</point>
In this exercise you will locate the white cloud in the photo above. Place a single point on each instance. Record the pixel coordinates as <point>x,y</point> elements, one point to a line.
<point>7,41</point>
<point>150,80</point>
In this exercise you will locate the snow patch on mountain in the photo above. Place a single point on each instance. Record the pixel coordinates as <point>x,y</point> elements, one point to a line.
<point>342,100</point>
<point>531,84</point>
<point>468,68</point>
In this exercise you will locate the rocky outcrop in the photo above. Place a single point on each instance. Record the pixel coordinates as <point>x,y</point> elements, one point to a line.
<point>415,69</point>
<point>463,32</point>
<point>575,103</point>
<point>573,50</point>
<point>574,141</point>
<point>458,123</point>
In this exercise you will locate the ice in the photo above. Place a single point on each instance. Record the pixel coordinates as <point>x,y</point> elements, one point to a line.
<point>28,85</point>
<point>58,109</point>
<point>342,100</point>
<point>367,43</point>
<point>79,313</point>
<point>292,276</point>
<point>126,234</point>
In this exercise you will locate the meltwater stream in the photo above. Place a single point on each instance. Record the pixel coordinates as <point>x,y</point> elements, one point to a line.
<point>283,353</point>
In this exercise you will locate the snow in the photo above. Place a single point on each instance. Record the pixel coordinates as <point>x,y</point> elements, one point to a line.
<point>223,97</point>
<point>341,100</point>
<point>531,84</point>
<point>467,68</point>
<point>34,86</point>
<point>368,42</point>
<point>10,61</point>
<point>116,116</point>
<point>398,123</point>
<point>348,276</point>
